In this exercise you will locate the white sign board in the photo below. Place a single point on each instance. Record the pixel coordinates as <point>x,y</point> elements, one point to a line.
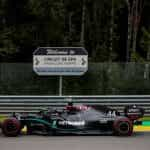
<point>60,61</point>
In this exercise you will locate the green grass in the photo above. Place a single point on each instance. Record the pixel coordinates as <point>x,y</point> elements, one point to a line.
<point>147,118</point>
<point>2,117</point>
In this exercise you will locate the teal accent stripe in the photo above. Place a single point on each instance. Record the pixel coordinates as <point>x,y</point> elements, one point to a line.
<point>54,124</point>
<point>40,121</point>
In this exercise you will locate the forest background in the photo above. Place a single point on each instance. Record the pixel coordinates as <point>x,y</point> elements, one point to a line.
<point>116,34</point>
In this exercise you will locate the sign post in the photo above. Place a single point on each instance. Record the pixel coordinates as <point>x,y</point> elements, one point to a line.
<point>60,85</point>
<point>60,61</point>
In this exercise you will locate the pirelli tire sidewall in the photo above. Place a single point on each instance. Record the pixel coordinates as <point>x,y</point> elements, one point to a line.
<point>11,127</point>
<point>123,127</point>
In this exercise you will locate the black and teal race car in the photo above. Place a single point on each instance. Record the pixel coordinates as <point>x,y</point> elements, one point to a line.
<point>74,119</point>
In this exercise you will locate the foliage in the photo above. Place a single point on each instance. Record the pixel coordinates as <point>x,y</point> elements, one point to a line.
<point>145,40</point>
<point>101,79</point>
<point>27,24</point>
<point>135,57</point>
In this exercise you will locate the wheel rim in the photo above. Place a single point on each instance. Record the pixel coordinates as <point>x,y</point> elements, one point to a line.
<point>11,127</point>
<point>124,127</point>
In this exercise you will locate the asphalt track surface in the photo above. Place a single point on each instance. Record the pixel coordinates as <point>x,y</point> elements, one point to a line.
<point>139,141</point>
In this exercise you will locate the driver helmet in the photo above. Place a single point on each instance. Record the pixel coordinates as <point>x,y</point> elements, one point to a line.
<point>134,106</point>
<point>69,100</point>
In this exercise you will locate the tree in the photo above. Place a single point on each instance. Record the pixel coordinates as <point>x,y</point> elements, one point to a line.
<point>100,26</point>
<point>135,8</point>
<point>82,40</point>
<point>145,44</point>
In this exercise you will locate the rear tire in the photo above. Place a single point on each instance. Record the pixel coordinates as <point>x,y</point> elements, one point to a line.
<point>11,127</point>
<point>123,127</point>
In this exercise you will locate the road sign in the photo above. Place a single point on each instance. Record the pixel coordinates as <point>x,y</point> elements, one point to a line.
<point>60,61</point>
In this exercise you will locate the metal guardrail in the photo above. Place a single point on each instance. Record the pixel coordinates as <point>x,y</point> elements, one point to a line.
<point>33,104</point>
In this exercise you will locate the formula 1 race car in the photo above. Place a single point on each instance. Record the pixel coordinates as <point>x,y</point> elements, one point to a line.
<point>72,119</point>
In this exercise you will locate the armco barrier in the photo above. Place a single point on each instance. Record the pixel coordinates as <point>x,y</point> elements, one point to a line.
<point>33,104</point>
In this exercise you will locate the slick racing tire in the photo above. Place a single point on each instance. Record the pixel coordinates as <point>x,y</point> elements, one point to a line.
<point>123,127</point>
<point>11,127</point>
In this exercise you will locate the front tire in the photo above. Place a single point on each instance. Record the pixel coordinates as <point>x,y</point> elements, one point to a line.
<point>123,127</point>
<point>11,127</point>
